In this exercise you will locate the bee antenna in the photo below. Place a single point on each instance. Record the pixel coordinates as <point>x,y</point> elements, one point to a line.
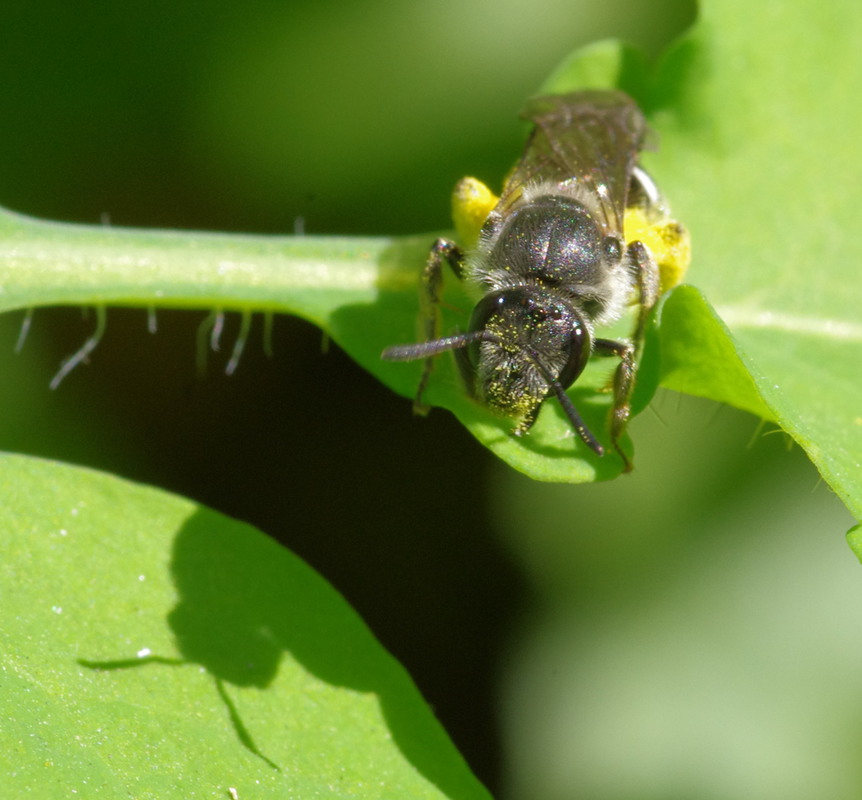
<point>413,352</point>
<point>568,407</point>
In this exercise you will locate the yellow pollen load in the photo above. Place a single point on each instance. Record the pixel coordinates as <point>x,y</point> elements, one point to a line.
<point>472,201</point>
<point>666,239</point>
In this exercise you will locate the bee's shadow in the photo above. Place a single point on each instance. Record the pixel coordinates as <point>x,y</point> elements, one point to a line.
<point>245,603</point>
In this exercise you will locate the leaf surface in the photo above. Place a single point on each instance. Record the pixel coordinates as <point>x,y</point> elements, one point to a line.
<point>153,648</point>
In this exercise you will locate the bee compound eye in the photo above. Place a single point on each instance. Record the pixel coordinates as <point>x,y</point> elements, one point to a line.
<point>613,249</point>
<point>578,347</point>
<point>490,306</point>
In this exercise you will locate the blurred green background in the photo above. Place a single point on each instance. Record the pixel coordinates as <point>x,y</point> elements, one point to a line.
<point>689,631</point>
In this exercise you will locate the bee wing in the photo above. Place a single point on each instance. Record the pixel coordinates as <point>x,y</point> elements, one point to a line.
<point>589,138</point>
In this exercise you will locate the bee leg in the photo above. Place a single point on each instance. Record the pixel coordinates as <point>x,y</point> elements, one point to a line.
<point>442,251</point>
<point>646,274</point>
<point>624,381</point>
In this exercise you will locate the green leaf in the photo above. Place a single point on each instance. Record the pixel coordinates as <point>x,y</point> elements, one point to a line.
<point>760,157</point>
<point>152,648</point>
<point>854,539</point>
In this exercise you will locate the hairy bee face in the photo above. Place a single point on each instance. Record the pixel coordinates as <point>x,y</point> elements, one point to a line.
<point>531,338</point>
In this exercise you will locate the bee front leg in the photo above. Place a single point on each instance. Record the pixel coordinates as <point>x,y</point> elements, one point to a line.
<point>624,382</point>
<point>442,251</point>
<point>646,275</point>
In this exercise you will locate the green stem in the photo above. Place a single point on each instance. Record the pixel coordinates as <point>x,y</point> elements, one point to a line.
<point>49,263</point>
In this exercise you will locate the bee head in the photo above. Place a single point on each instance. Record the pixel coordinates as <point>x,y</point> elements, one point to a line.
<point>529,343</point>
<point>523,345</point>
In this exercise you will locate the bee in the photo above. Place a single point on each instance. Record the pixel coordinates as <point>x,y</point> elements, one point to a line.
<point>578,234</point>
